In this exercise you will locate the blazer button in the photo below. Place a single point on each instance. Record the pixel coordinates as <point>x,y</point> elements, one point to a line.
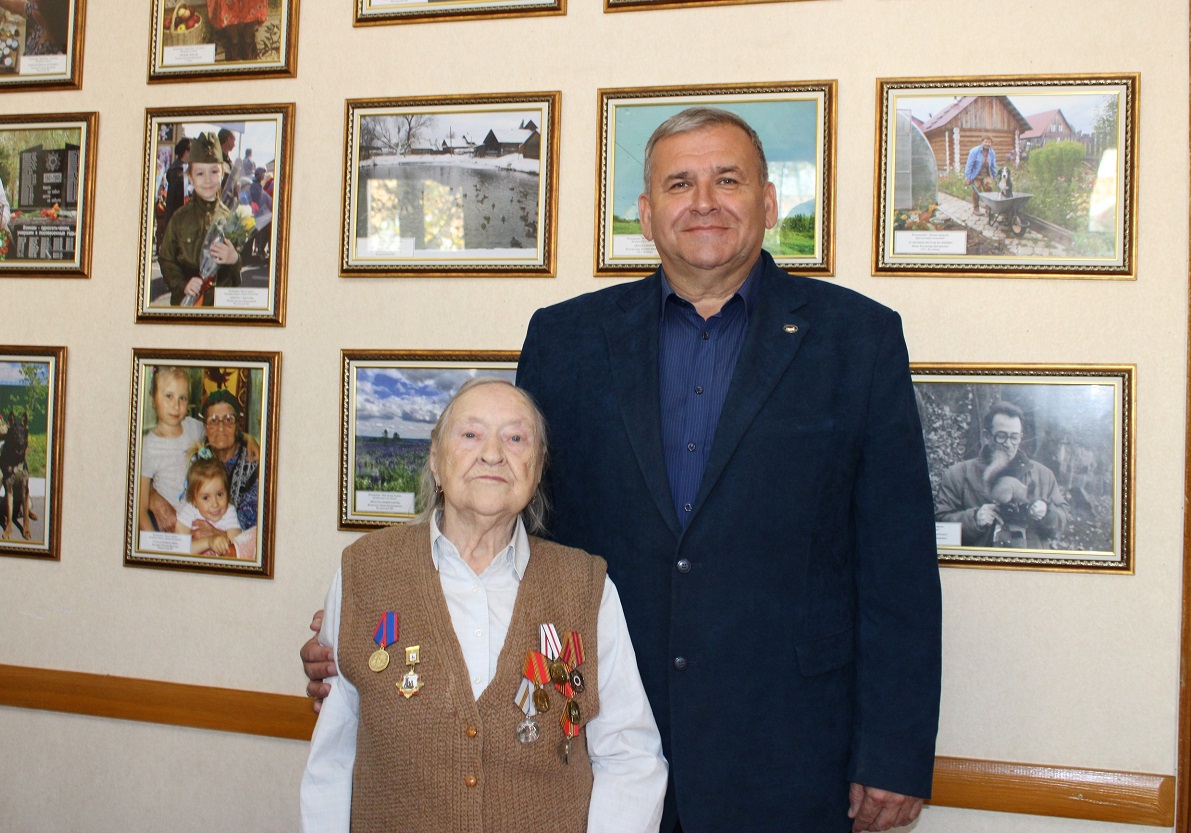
<point>471,781</point>
<point>680,663</point>
<point>684,565</point>
<point>472,731</point>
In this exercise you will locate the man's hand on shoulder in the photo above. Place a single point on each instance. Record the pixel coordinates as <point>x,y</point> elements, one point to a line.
<point>318,661</point>
<point>872,809</point>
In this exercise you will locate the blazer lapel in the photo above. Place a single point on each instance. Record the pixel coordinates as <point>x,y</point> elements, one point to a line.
<point>633,355</point>
<point>774,335</point>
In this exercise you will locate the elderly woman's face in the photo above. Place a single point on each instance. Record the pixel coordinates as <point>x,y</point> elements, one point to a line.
<point>221,426</point>
<point>487,459</point>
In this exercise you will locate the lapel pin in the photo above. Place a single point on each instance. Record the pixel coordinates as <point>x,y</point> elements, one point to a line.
<point>791,328</point>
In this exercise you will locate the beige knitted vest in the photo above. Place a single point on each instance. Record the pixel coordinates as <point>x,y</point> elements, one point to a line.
<point>442,760</point>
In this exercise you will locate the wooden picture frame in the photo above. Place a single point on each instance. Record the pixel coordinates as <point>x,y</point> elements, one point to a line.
<point>384,12</point>
<point>1032,465</point>
<point>391,400</point>
<point>456,186</point>
<point>43,51</point>
<point>796,123</point>
<point>256,189</point>
<point>32,410</point>
<point>47,169</point>
<point>1007,176</point>
<point>207,41</point>
<point>237,436</point>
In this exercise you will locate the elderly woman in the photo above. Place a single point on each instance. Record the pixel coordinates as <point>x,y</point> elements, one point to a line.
<point>487,681</point>
<point>227,443</point>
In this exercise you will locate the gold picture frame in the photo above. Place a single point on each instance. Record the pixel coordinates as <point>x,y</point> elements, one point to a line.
<point>168,525</point>
<point>391,400</point>
<point>32,410</point>
<point>189,44</point>
<point>44,51</point>
<point>1031,464</point>
<point>796,123</point>
<point>256,188</point>
<point>1007,176</point>
<point>385,12</point>
<point>451,186</point>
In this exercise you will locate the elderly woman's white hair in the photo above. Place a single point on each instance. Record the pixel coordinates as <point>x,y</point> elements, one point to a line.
<point>430,498</point>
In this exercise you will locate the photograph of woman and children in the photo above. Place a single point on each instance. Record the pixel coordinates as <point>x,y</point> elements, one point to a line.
<point>213,217</point>
<point>201,460</point>
<point>30,454</point>
<point>222,36</point>
<point>36,42</point>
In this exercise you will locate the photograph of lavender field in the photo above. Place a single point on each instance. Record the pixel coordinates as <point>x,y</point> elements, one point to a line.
<point>461,189</point>
<point>393,403</point>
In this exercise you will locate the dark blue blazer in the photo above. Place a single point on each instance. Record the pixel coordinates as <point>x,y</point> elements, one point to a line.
<point>789,638</point>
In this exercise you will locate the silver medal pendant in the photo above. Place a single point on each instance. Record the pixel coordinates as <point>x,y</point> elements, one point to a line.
<point>528,730</point>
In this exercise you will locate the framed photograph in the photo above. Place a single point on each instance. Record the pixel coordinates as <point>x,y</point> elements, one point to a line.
<point>41,45</point>
<point>639,5</point>
<point>1013,176</point>
<point>215,214</point>
<point>221,40</point>
<point>47,184</point>
<point>1032,465</point>
<point>379,12</point>
<point>796,123</point>
<point>462,186</point>
<point>32,415</point>
<point>202,461</point>
<point>391,401</point>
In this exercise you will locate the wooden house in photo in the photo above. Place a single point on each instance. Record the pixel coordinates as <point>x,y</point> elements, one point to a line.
<point>1047,127</point>
<point>960,126</point>
<point>528,143</point>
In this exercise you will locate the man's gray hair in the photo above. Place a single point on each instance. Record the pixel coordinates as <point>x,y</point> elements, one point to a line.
<point>697,118</point>
<point>430,499</point>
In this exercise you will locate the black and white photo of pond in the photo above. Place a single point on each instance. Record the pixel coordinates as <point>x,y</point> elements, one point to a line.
<point>450,187</point>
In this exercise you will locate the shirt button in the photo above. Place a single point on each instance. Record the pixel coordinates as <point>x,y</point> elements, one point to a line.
<point>472,731</point>
<point>690,446</point>
<point>477,680</point>
<point>479,632</point>
<point>686,507</point>
<point>471,781</point>
<point>684,565</point>
<point>680,663</point>
<point>706,335</point>
<point>698,389</point>
<point>475,588</point>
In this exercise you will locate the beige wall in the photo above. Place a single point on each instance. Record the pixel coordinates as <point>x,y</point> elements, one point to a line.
<point>1067,669</point>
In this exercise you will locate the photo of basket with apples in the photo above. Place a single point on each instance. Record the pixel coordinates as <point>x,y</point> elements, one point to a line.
<point>186,26</point>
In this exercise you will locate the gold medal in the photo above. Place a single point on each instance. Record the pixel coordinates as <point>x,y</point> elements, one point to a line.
<point>559,673</point>
<point>541,700</point>
<point>566,750</point>
<point>379,660</point>
<point>573,713</point>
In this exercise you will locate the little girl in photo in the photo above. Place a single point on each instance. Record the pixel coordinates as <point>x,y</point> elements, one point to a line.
<point>166,448</point>
<point>206,499</point>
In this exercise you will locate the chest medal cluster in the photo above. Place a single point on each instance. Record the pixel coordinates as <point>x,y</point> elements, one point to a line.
<point>556,663</point>
<point>384,636</point>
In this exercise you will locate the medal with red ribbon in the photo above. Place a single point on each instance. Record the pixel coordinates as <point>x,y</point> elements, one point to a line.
<point>386,635</point>
<point>557,662</point>
<point>537,671</point>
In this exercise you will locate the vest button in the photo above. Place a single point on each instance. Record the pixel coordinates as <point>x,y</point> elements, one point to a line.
<point>684,565</point>
<point>680,663</point>
<point>471,781</point>
<point>472,731</point>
